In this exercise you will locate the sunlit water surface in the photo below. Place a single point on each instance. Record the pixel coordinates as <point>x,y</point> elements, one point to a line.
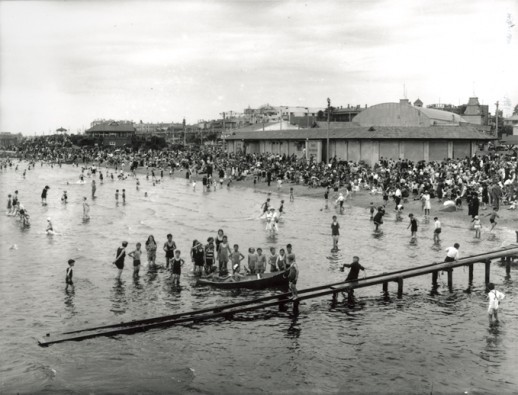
<point>422,343</point>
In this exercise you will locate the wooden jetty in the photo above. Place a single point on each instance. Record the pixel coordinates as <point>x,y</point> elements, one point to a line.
<point>281,300</point>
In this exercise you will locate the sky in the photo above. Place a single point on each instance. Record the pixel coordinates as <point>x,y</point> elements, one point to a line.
<point>69,63</point>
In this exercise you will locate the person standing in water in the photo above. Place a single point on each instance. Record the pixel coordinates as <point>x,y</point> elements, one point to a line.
<point>436,231</point>
<point>492,218</point>
<point>119,259</point>
<point>44,195</point>
<point>169,247</point>
<point>378,218</point>
<point>452,253</point>
<point>494,299</point>
<point>49,229</point>
<point>136,260</point>
<point>223,255</point>
<point>413,227</point>
<point>86,209</point>
<point>69,275</point>
<point>93,189</point>
<point>151,248</point>
<point>355,268</point>
<point>335,232</point>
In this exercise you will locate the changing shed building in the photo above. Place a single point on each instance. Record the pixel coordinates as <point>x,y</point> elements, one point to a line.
<point>388,130</point>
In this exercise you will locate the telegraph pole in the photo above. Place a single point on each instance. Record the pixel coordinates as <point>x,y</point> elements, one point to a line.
<point>328,114</point>
<point>496,119</point>
<point>184,131</point>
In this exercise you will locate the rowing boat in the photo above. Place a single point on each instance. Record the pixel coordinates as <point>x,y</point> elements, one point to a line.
<point>252,281</point>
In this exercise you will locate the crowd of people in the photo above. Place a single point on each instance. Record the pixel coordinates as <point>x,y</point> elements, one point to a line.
<point>482,181</point>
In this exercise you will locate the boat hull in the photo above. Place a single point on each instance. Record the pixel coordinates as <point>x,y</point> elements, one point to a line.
<point>254,281</point>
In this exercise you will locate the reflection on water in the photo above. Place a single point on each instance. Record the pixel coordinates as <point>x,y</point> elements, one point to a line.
<point>429,336</point>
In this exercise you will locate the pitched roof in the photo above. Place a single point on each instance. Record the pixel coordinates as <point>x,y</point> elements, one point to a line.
<point>441,115</point>
<point>112,127</point>
<point>372,133</point>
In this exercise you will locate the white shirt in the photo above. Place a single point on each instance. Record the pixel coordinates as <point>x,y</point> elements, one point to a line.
<point>494,297</point>
<point>438,225</point>
<point>452,252</point>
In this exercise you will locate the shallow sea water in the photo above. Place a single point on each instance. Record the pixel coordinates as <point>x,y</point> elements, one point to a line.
<point>422,343</point>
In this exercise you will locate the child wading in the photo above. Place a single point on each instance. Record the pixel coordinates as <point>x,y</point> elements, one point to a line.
<point>335,233</point>
<point>176,268</point>
<point>69,274</point>
<point>494,298</point>
<point>413,227</point>
<point>136,260</point>
<point>436,231</point>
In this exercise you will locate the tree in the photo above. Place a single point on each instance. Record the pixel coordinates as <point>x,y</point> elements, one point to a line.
<point>515,111</point>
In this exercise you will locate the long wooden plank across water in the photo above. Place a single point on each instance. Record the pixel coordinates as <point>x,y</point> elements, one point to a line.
<point>227,310</point>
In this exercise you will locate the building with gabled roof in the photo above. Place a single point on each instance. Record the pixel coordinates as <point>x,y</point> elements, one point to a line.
<point>476,113</point>
<point>113,134</point>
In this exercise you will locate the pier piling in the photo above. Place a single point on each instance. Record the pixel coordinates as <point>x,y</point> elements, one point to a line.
<point>435,276</point>
<point>400,287</point>
<point>450,279</point>
<point>470,274</point>
<point>508,268</point>
<point>385,287</point>
<point>488,270</point>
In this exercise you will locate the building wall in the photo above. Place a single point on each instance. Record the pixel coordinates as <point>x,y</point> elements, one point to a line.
<point>438,150</point>
<point>389,150</point>
<point>354,150</point>
<point>414,150</point>
<point>461,149</point>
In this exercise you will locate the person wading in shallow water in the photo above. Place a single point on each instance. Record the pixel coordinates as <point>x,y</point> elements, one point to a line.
<point>354,271</point>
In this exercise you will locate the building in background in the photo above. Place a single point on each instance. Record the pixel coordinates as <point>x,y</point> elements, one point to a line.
<point>112,134</point>
<point>476,113</point>
<point>388,130</point>
<point>8,139</point>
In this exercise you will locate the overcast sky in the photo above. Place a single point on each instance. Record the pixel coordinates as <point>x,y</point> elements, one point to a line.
<point>68,63</point>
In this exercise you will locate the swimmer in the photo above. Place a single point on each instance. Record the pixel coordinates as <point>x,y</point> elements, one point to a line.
<point>69,274</point>
<point>492,218</point>
<point>413,227</point>
<point>123,196</point>
<point>477,226</point>
<point>340,202</point>
<point>64,198</point>
<point>436,231</point>
<point>378,218</point>
<point>86,209</point>
<point>93,189</point>
<point>50,229</point>
<point>335,232</point>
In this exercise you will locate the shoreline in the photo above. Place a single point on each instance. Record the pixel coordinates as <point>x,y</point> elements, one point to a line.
<point>362,199</point>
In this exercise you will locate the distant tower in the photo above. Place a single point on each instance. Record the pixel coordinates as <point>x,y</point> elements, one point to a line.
<point>418,103</point>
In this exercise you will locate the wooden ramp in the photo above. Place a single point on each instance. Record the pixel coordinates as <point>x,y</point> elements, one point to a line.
<point>227,311</point>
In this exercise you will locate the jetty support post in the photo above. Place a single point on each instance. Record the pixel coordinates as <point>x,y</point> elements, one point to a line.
<point>470,274</point>
<point>350,296</point>
<point>435,276</point>
<point>282,305</point>
<point>488,270</point>
<point>400,287</point>
<point>335,298</point>
<point>385,287</point>
<point>508,268</point>
<point>450,278</point>
<point>296,307</point>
